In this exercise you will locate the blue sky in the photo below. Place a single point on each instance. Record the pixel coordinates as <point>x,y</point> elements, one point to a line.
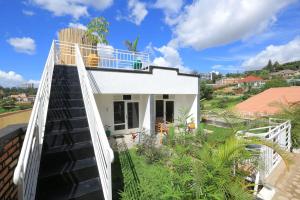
<point>202,35</point>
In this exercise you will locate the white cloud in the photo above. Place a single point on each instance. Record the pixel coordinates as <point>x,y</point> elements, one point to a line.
<point>12,79</point>
<point>170,58</point>
<point>77,25</point>
<point>227,68</point>
<point>281,53</point>
<point>23,45</point>
<point>75,8</point>
<point>137,11</point>
<point>210,23</point>
<point>170,8</point>
<point>28,12</point>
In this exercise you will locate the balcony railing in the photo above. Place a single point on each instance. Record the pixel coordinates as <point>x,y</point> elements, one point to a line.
<point>102,56</point>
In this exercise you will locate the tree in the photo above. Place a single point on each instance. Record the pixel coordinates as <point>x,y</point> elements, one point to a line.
<point>276,66</point>
<point>8,103</point>
<point>132,46</point>
<point>97,30</point>
<point>275,83</point>
<point>269,66</point>
<point>205,91</point>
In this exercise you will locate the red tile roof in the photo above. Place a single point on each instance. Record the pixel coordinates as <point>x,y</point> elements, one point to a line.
<point>250,78</point>
<point>268,102</point>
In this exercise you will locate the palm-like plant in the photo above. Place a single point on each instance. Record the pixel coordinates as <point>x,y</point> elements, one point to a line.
<point>292,112</point>
<point>132,46</point>
<point>215,177</point>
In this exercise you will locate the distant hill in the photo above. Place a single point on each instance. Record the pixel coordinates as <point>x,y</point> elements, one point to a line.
<point>270,67</point>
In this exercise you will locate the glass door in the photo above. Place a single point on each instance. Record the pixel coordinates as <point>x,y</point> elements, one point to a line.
<point>132,115</point>
<point>159,110</point>
<point>119,115</point>
<point>169,111</point>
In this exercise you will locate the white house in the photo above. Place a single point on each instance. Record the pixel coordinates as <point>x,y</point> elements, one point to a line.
<point>129,99</point>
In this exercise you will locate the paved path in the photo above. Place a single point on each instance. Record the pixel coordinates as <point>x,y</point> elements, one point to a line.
<point>287,182</point>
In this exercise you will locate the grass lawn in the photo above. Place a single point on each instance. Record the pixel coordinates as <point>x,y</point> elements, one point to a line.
<point>224,102</point>
<point>2,110</point>
<point>219,134</point>
<point>169,178</point>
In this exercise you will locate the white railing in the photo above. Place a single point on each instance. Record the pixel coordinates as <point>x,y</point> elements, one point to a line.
<point>279,132</point>
<point>103,152</point>
<point>26,171</point>
<point>109,57</point>
<point>103,56</point>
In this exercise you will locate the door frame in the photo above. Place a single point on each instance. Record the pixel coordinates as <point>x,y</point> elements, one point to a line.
<point>122,131</point>
<point>164,108</point>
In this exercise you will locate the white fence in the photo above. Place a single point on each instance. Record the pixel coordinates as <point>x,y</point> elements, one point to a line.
<point>103,56</point>
<point>103,152</point>
<point>279,132</point>
<point>26,172</point>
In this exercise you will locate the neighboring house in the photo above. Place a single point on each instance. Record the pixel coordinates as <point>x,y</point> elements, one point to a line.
<point>251,81</point>
<point>228,81</point>
<point>205,76</point>
<point>27,85</point>
<point>287,73</point>
<point>22,97</point>
<point>269,102</point>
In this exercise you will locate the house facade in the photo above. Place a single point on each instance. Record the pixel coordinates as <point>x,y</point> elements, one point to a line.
<point>228,81</point>
<point>251,81</point>
<point>131,100</point>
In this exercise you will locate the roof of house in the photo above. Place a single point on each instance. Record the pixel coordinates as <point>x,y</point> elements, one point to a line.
<point>250,78</point>
<point>269,101</point>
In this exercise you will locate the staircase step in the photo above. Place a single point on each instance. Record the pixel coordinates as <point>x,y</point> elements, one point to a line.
<point>88,190</point>
<point>62,113</point>
<point>64,82</point>
<point>85,190</point>
<point>79,170</point>
<point>70,103</point>
<point>66,153</point>
<point>65,88</point>
<point>58,138</point>
<point>66,124</point>
<point>65,95</point>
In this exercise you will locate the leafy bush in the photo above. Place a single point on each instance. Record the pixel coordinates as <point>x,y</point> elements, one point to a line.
<point>148,149</point>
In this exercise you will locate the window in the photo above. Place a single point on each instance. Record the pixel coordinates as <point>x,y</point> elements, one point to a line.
<point>126,97</point>
<point>165,96</point>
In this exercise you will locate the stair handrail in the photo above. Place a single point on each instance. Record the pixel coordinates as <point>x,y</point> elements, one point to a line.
<point>103,152</point>
<point>32,145</point>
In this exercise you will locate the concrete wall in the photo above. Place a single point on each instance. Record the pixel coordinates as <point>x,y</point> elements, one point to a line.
<point>17,117</point>
<point>146,108</point>
<point>156,81</point>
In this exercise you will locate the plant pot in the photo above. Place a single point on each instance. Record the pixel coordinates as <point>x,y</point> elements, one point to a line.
<point>192,125</point>
<point>93,60</point>
<point>137,64</point>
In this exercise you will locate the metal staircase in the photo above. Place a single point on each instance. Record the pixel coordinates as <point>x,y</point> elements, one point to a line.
<point>65,153</point>
<point>68,169</point>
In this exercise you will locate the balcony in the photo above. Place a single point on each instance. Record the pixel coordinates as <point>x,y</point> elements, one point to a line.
<point>102,56</point>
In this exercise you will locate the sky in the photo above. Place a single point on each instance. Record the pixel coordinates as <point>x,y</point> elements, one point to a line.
<point>228,36</point>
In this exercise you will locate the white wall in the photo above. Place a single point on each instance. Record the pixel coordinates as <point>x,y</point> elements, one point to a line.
<point>162,81</point>
<point>188,102</point>
<point>105,107</point>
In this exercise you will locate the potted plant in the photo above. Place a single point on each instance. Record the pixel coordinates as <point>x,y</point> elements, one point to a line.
<point>192,124</point>
<point>132,46</point>
<point>97,30</point>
